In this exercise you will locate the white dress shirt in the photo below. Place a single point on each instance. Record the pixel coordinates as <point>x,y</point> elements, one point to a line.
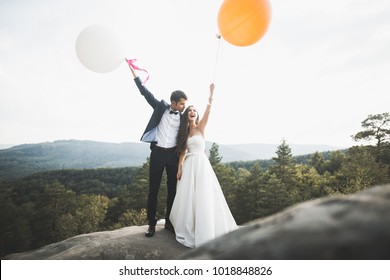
<point>167,129</point>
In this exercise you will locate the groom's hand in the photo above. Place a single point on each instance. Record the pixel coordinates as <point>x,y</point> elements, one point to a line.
<point>131,68</point>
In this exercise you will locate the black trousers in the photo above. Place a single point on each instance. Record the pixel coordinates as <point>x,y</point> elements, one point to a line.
<point>160,159</point>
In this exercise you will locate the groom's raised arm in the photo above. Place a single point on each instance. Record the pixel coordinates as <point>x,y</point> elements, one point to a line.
<point>143,90</point>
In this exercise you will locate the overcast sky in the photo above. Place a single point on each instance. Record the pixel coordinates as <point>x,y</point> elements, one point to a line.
<point>322,67</point>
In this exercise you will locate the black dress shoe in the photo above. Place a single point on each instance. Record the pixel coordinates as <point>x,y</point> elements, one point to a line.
<point>150,232</point>
<point>169,227</point>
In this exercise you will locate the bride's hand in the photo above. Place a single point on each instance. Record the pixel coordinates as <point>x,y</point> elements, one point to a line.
<point>178,175</point>
<point>212,86</point>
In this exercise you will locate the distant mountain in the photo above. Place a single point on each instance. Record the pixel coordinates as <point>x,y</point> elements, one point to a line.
<point>247,152</point>
<point>26,159</point>
<point>5,146</point>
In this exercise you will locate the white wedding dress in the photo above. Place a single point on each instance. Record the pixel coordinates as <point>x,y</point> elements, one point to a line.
<point>199,212</point>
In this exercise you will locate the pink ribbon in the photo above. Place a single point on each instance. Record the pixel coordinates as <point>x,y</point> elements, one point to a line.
<point>131,64</point>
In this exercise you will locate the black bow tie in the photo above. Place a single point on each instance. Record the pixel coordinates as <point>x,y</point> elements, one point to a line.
<point>173,112</point>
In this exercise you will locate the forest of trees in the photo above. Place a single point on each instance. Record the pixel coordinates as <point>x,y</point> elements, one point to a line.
<point>51,206</point>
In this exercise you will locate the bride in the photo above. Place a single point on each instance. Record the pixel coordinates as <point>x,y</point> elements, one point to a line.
<point>199,212</point>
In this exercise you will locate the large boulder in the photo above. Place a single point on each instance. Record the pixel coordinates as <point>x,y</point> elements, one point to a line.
<point>342,227</point>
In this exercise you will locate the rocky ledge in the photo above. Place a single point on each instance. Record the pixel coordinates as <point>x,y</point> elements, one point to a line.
<point>341,227</point>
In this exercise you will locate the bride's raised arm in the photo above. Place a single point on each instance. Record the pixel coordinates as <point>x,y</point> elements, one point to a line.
<point>205,118</point>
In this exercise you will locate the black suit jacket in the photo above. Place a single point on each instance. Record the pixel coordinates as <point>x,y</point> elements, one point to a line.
<point>159,108</point>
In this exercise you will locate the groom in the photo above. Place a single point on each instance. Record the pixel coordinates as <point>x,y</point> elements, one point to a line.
<point>161,132</point>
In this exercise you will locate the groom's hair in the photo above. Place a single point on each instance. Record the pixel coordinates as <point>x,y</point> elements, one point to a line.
<point>177,95</point>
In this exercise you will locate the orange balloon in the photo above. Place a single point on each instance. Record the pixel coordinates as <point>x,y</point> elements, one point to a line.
<point>243,22</point>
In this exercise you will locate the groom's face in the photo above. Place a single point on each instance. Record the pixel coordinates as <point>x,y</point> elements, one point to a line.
<point>179,106</point>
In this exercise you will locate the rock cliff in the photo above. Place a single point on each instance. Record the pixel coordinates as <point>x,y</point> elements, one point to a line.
<point>340,227</point>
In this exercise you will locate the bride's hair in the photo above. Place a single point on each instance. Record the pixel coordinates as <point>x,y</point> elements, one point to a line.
<point>184,130</point>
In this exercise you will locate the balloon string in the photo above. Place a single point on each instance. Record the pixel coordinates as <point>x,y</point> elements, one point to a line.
<point>131,63</point>
<point>216,56</point>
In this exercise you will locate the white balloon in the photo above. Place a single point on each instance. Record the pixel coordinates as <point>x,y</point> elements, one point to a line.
<point>99,49</point>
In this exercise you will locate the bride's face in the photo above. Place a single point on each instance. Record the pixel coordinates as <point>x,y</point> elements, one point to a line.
<point>192,114</point>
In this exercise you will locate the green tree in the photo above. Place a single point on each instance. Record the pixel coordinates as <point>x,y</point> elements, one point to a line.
<point>214,157</point>
<point>134,196</point>
<point>138,190</point>
<point>309,184</point>
<point>275,195</point>
<point>15,233</point>
<point>227,179</point>
<point>66,227</point>
<point>253,187</point>
<point>285,168</point>
<point>318,162</point>
<point>50,206</point>
<point>335,162</point>
<point>235,192</point>
<point>132,218</point>
<point>377,128</point>
<point>247,193</point>
<point>360,171</point>
<point>91,212</point>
